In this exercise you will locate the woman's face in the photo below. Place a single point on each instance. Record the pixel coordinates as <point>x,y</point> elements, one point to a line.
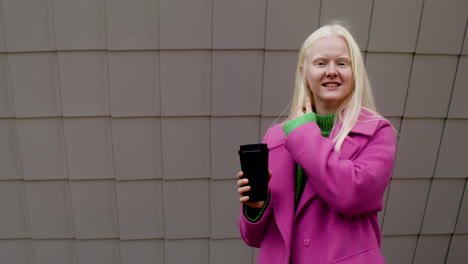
<point>329,73</point>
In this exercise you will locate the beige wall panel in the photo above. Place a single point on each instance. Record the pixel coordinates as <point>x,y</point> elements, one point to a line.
<point>79,25</point>
<point>225,208</point>
<point>89,148</point>
<point>399,249</point>
<point>395,25</point>
<point>35,84</point>
<point>230,251</point>
<point>430,86</point>
<point>405,207</point>
<point>418,145</point>
<point>290,22</point>
<point>195,251</point>
<point>458,106</point>
<point>389,75</point>
<point>186,209</point>
<point>132,25</point>
<point>185,24</point>
<point>140,209</point>
<point>84,83</point>
<point>42,148</point>
<point>227,134</point>
<point>50,211</point>
<point>186,148</point>
<point>94,209</point>
<point>431,249</point>
<point>28,25</point>
<point>443,26</point>
<point>6,99</point>
<point>278,82</point>
<point>186,83</point>
<point>142,251</point>
<point>239,24</point>
<point>442,206</point>
<point>451,162</point>
<point>17,251</point>
<point>137,148</point>
<point>54,251</point>
<point>2,31</point>
<point>356,14</point>
<point>462,221</point>
<point>10,160</point>
<point>97,252</point>
<point>465,43</point>
<point>457,252</point>
<point>13,205</point>
<point>134,83</point>
<point>237,82</point>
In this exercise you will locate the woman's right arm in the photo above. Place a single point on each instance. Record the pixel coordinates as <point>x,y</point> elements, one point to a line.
<point>254,215</point>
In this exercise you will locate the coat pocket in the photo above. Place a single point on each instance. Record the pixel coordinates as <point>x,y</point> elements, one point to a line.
<point>366,256</point>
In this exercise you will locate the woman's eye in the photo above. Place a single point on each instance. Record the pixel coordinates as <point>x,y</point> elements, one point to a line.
<point>342,64</point>
<point>321,63</point>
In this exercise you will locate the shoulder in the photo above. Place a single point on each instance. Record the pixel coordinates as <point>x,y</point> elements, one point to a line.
<point>274,134</point>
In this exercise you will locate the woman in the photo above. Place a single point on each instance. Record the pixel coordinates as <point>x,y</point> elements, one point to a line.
<point>330,163</point>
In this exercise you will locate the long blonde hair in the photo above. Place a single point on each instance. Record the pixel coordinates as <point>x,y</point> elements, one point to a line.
<point>361,94</point>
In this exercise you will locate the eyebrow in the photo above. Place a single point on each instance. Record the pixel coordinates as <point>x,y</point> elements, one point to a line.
<point>323,58</point>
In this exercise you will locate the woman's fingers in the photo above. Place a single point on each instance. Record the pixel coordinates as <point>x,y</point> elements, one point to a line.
<point>242,190</point>
<point>299,112</point>
<point>305,108</point>
<point>242,182</point>
<point>244,199</point>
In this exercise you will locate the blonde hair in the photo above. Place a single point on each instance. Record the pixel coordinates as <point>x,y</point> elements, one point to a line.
<point>361,94</point>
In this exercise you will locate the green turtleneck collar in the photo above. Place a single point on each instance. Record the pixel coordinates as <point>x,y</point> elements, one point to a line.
<point>325,123</point>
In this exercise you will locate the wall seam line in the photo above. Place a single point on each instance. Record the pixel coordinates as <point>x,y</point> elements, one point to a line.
<point>160,121</point>
<point>456,221</point>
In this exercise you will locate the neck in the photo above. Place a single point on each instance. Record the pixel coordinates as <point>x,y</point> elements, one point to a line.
<point>325,109</point>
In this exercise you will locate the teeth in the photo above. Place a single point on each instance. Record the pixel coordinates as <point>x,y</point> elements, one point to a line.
<point>331,85</point>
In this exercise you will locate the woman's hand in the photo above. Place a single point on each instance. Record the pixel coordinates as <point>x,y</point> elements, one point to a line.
<point>305,109</point>
<point>243,187</point>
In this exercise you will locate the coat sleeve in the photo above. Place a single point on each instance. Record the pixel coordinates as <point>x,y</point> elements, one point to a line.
<point>252,232</point>
<point>351,187</point>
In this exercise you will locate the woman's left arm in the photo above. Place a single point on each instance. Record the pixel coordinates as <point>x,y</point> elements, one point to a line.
<point>351,187</point>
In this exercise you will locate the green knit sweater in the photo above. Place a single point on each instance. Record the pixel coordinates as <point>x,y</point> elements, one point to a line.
<point>325,123</point>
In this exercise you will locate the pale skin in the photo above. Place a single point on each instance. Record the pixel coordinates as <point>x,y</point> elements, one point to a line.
<point>329,76</point>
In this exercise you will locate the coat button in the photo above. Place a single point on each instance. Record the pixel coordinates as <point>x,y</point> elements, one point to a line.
<point>306,242</point>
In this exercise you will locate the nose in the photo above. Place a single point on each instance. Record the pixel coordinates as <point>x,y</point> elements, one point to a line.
<point>331,70</point>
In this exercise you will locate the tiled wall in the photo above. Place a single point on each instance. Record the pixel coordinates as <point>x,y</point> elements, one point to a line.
<point>120,121</point>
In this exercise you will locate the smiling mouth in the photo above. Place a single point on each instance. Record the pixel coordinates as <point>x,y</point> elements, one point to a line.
<point>331,84</point>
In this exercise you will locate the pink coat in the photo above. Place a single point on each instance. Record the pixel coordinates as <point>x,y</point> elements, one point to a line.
<point>336,218</point>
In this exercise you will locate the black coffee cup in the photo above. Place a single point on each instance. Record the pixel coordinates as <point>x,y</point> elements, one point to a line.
<point>254,164</point>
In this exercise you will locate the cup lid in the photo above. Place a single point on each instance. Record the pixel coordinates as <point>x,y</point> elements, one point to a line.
<point>254,147</point>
